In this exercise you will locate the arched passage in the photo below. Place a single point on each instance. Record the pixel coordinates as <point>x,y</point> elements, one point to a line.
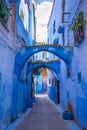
<point>63,52</point>
<point>53,65</point>
<point>50,88</point>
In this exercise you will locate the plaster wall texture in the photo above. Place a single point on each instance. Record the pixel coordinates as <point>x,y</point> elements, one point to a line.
<point>27,23</point>
<point>24,8</point>
<point>51,88</point>
<point>7,53</point>
<point>52,75</point>
<point>55,17</point>
<point>6,70</point>
<point>38,79</point>
<point>52,93</point>
<point>21,93</point>
<point>12,91</point>
<point>52,35</point>
<point>74,93</point>
<point>29,90</point>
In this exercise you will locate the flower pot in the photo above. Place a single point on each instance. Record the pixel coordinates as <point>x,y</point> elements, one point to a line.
<point>67,115</point>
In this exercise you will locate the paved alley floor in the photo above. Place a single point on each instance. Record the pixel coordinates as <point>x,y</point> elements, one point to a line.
<point>43,116</point>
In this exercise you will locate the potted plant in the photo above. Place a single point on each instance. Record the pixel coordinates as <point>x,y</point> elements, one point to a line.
<point>79,27</point>
<point>3,12</point>
<point>80,22</point>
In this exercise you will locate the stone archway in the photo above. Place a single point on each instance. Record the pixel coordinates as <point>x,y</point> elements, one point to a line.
<point>53,65</point>
<point>64,52</point>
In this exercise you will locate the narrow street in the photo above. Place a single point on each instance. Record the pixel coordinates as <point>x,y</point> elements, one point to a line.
<point>43,116</point>
<point>43,50</point>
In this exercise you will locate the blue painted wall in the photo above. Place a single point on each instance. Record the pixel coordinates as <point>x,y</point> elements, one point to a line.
<point>21,92</point>
<point>52,93</point>
<point>39,88</point>
<point>81,108</point>
<point>73,93</point>
<point>21,31</point>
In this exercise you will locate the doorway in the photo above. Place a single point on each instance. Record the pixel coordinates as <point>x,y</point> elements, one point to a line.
<point>58,92</point>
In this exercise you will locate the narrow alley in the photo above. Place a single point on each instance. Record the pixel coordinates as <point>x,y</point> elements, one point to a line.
<point>44,116</point>
<point>43,64</point>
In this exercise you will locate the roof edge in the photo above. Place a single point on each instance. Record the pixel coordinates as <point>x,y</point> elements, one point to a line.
<point>51,13</point>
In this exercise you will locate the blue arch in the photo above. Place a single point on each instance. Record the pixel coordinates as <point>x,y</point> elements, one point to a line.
<point>44,67</point>
<point>53,65</point>
<point>63,52</point>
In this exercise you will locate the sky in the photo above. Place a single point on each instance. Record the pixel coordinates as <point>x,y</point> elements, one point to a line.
<point>44,0</point>
<point>42,17</point>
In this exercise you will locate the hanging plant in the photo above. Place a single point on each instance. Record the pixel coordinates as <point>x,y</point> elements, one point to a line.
<point>79,27</point>
<point>80,22</point>
<point>3,12</point>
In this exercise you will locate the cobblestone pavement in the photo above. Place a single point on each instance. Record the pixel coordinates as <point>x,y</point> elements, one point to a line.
<point>43,116</point>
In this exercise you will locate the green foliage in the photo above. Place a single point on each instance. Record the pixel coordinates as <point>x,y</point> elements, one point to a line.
<point>80,22</point>
<point>3,12</point>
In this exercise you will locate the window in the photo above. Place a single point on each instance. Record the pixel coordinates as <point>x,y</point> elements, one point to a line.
<point>55,82</point>
<point>68,72</point>
<point>49,81</point>
<point>54,28</point>
<point>48,40</point>
<point>79,77</point>
<point>52,83</point>
<point>56,41</point>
